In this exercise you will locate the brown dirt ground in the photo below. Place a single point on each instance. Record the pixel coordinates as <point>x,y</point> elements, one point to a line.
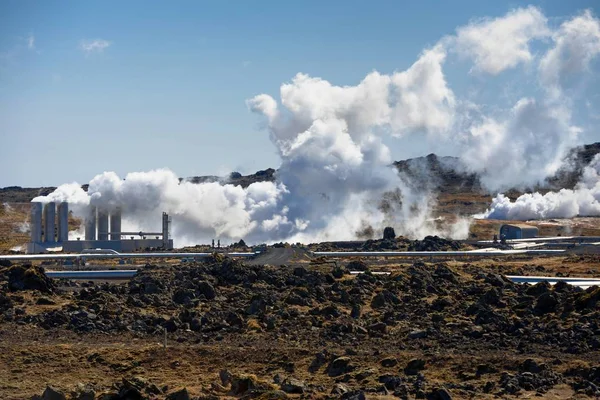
<point>31,358</point>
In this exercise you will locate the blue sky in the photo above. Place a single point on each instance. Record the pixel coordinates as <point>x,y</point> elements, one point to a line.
<point>164,84</point>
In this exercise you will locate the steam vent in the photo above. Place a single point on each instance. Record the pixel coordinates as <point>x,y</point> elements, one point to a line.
<point>50,230</point>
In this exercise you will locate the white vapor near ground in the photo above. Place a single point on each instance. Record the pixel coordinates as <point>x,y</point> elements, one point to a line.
<point>335,173</point>
<point>575,44</point>
<point>583,200</point>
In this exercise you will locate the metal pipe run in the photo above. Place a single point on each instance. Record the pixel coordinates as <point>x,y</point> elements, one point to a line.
<point>548,239</point>
<point>536,279</point>
<point>101,256</point>
<point>117,233</point>
<point>472,253</point>
<point>98,274</point>
<point>583,283</point>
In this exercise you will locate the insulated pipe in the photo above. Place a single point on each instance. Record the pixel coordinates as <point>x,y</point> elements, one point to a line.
<point>115,225</point>
<point>97,274</point>
<point>49,225</point>
<point>102,225</point>
<point>36,222</point>
<point>63,222</point>
<point>90,224</point>
<point>548,239</point>
<point>132,233</point>
<point>475,253</point>
<point>102,256</point>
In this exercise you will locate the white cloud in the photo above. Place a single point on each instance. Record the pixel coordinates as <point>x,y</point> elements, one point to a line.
<point>576,43</point>
<point>423,99</point>
<point>31,42</point>
<point>335,164</point>
<point>263,104</point>
<point>93,46</point>
<point>501,43</point>
<point>522,147</point>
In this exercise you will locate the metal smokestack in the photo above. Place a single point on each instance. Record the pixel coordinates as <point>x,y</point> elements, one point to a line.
<point>36,222</point>
<point>102,225</point>
<point>49,225</point>
<point>90,225</point>
<point>115,224</point>
<point>166,222</point>
<point>63,222</point>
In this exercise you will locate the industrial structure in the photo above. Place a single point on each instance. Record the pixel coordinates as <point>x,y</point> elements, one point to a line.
<point>518,231</point>
<point>102,230</point>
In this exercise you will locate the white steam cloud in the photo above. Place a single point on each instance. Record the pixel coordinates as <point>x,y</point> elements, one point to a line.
<point>498,44</point>
<point>576,44</point>
<point>521,148</point>
<point>583,200</point>
<point>335,179</point>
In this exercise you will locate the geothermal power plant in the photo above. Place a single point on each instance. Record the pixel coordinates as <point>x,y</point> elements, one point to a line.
<point>50,230</point>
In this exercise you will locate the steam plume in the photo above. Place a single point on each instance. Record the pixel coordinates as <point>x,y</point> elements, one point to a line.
<point>583,200</point>
<point>335,173</point>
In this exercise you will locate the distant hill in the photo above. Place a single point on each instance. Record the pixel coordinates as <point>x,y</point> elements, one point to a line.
<point>443,174</point>
<point>570,173</point>
<point>235,178</point>
<point>18,194</point>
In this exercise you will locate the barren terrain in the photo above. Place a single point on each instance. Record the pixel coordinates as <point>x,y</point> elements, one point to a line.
<point>428,330</point>
<point>290,325</point>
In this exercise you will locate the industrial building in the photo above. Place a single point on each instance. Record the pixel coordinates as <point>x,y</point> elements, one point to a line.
<point>102,231</point>
<point>518,231</point>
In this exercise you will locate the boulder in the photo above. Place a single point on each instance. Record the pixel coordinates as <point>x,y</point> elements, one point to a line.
<point>418,334</point>
<point>546,303</point>
<point>389,233</point>
<point>181,394</point>
<point>5,302</point>
<point>389,362</point>
<point>53,394</point>
<point>22,277</point>
<point>414,366</point>
<point>241,384</point>
<point>225,377</point>
<point>207,290</point>
<point>300,272</point>
<point>340,389</point>
<point>440,394</point>
<point>45,301</point>
<point>292,385</point>
<point>357,265</point>
<point>354,395</point>
<point>339,366</point>
<point>378,328</point>
<point>391,382</point>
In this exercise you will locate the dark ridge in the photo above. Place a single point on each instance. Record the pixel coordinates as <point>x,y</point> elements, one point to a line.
<point>443,174</point>
<point>568,175</point>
